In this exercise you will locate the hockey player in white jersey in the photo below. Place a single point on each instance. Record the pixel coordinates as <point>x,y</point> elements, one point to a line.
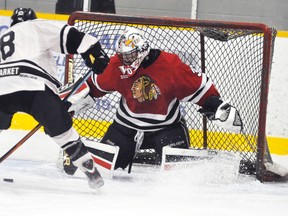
<point>29,84</point>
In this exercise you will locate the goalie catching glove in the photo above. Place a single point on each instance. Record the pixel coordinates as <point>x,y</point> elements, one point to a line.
<point>96,58</point>
<point>228,117</point>
<point>80,101</point>
<point>225,115</point>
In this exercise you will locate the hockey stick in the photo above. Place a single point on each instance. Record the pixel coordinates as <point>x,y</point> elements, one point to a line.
<point>77,85</point>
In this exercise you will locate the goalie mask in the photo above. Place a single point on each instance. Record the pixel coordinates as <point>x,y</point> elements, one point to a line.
<point>21,15</point>
<point>131,49</point>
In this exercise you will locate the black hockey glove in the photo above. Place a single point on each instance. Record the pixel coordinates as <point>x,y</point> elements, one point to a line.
<point>210,106</point>
<point>96,58</point>
<point>222,114</point>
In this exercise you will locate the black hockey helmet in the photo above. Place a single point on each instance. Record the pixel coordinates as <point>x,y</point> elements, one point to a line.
<point>21,15</point>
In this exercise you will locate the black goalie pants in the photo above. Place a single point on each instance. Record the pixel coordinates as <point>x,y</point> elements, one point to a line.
<point>45,106</point>
<point>175,135</point>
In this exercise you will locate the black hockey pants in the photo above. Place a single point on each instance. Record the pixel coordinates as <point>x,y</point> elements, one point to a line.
<point>175,135</point>
<point>45,106</point>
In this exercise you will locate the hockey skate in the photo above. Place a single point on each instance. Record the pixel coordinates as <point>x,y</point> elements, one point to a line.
<point>94,178</point>
<point>82,159</point>
<point>68,167</point>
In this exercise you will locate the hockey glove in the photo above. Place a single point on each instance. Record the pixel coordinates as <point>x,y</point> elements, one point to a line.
<point>83,105</point>
<point>210,106</point>
<point>96,58</point>
<point>227,117</point>
<point>80,101</point>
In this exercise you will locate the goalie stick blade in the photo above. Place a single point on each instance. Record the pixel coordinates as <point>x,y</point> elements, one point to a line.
<point>275,173</point>
<point>189,157</point>
<point>273,177</point>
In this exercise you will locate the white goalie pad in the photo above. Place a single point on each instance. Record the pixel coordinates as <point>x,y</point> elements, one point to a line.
<point>104,156</point>
<point>223,162</point>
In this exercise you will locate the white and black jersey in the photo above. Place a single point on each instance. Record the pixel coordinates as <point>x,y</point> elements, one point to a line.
<point>27,54</point>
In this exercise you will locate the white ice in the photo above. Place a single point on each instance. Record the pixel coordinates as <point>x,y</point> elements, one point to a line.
<point>41,188</point>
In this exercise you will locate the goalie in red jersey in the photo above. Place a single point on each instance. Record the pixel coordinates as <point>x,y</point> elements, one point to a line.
<point>152,83</point>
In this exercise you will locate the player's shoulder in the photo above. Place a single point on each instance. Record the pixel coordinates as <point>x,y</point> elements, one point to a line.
<point>115,61</point>
<point>37,23</point>
<point>169,57</point>
<point>169,54</point>
<point>44,22</point>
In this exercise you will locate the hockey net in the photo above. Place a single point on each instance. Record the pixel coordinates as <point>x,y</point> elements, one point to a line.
<point>236,56</point>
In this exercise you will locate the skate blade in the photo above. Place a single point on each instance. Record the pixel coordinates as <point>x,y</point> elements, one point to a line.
<point>96,183</point>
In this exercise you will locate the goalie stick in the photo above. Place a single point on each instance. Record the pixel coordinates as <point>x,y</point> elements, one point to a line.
<point>77,85</point>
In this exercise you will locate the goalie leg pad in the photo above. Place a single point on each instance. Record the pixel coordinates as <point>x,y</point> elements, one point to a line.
<point>225,165</point>
<point>104,156</point>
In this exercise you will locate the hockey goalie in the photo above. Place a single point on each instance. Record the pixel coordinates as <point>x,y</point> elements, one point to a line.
<point>151,83</point>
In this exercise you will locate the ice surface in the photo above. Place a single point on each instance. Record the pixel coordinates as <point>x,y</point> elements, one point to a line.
<point>41,188</point>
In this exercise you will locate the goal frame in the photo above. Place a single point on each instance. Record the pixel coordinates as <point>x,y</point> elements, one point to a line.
<point>182,22</point>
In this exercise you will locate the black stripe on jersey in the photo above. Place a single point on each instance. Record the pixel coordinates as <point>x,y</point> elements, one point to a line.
<point>146,128</point>
<point>61,39</point>
<point>149,120</point>
<point>30,70</point>
<point>33,71</point>
<point>46,74</point>
<point>198,91</point>
<point>154,122</point>
<point>74,39</point>
<point>42,73</point>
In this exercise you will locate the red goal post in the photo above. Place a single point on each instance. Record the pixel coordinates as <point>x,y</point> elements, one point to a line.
<point>237,57</point>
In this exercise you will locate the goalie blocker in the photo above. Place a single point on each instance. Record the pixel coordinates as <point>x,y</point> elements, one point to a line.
<point>80,101</point>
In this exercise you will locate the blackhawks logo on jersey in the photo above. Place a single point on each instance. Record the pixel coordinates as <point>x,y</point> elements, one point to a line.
<point>145,89</point>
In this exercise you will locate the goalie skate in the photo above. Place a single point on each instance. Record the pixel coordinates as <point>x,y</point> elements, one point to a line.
<point>95,180</point>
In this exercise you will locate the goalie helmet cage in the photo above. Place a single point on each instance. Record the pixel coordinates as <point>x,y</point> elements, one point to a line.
<point>237,57</point>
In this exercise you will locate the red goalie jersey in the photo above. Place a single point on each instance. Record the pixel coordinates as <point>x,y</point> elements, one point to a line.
<point>151,96</point>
